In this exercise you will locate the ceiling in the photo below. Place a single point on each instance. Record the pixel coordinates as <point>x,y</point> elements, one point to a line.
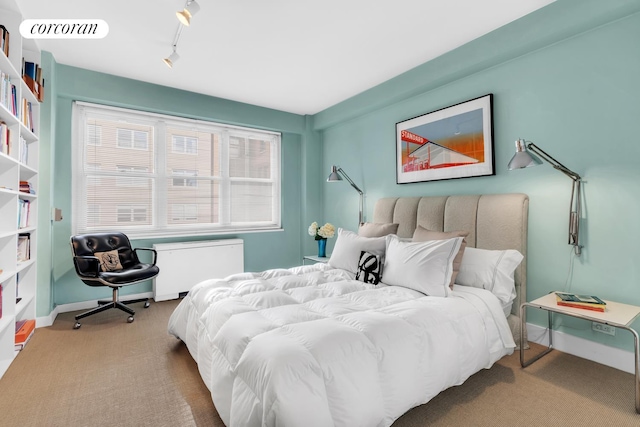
<point>298,56</point>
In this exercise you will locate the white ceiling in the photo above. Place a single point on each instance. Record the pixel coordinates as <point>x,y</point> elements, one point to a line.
<point>299,56</point>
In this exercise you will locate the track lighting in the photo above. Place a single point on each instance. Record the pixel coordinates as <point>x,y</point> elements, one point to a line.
<point>191,8</point>
<point>171,59</point>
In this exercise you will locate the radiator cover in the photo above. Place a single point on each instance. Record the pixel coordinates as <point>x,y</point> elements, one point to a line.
<point>185,264</point>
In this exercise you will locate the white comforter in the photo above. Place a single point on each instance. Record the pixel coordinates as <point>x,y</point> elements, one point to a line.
<point>310,346</point>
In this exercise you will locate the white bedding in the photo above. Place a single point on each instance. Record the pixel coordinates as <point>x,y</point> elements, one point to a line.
<point>311,346</point>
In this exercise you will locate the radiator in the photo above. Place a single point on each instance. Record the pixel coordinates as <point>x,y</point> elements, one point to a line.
<point>185,264</point>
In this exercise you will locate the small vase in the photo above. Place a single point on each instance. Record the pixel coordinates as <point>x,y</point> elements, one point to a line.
<point>322,248</point>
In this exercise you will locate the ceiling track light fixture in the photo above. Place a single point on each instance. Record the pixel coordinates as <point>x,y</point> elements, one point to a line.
<point>173,58</point>
<point>191,8</point>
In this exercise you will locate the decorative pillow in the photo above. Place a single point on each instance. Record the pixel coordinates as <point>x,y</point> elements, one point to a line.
<point>348,247</point>
<point>109,261</point>
<point>424,235</point>
<point>491,270</point>
<point>423,266</point>
<point>374,229</point>
<point>368,268</point>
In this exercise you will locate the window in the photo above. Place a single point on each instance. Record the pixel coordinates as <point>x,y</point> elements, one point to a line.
<point>184,144</point>
<point>132,214</point>
<point>157,175</point>
<point>127,180</point>
<point>184,212</point>
<point>90,167</point>
<point>93,215</point>
<point>131,138</point>
<point>94,134</point>
<point>185,182</point>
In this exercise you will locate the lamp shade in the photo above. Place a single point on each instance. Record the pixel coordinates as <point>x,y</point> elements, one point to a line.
<point>189,10</point>
<point>171,59</point>
<point>334,176</point>
<point>523,158</point>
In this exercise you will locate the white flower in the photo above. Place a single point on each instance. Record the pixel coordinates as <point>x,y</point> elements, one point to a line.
<point>326,231</point>
<point>313,228</point>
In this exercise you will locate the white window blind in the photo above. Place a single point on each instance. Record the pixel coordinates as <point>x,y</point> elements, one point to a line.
<point>157,175</point>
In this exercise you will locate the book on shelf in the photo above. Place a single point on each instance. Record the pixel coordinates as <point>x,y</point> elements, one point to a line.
<point>4,40</point>
<point>25,187</point>
<point>24,209</point>
<point>27,115</point>
<point>587,302</point>
<point>24,150</point>
<point>24,247</point>
<point>24,331</point>
<point>8,93</point>
<point>29,69</point>
<point>5,139</point>
<point>32,76</point>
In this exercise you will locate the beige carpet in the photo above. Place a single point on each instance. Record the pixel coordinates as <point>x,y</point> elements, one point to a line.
<point>110,373</point>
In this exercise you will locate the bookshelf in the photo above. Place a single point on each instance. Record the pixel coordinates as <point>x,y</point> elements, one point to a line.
<point>18,170</point>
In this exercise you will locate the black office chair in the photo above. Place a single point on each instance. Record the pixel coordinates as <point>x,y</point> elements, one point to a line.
<point>107,259</point>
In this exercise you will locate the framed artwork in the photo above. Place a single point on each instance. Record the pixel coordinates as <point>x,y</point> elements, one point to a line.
<point>453,142</point>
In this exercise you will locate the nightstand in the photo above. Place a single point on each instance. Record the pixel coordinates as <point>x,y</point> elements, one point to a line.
<point>315,259</point>
<point>617,315</point>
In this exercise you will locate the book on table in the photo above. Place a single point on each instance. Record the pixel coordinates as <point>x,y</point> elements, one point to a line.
<point>587,302</point>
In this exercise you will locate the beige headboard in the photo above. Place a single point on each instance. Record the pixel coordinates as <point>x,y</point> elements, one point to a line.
<point>494,221</point>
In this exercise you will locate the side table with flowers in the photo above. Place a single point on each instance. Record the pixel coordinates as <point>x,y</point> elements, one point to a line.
<point>321,234</point>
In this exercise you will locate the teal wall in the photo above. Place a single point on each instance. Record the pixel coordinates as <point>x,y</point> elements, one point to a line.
<point>300,151</point>
<point>565,77</point>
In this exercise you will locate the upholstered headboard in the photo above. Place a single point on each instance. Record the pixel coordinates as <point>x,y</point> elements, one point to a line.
<point>494,221</point>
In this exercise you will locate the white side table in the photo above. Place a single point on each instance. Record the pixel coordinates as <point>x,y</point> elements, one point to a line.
<point>315,259</point>
<point>616,314</point>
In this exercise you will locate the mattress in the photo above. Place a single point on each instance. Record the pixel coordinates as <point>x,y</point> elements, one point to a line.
<point>312,346</point>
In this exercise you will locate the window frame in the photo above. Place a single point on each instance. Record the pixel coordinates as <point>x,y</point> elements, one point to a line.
<point>96,137</point>
<point>130,177</point>
<point>133,140</point>
<point>131,207</point>
<point>184,206</point>
<point>185,151</point>
<point>183,176</point>
<point>158,141</point>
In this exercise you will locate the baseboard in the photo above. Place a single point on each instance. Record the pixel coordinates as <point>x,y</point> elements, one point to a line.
<point>596,352</point>
<point>43,322</point>
<point>82,305</point>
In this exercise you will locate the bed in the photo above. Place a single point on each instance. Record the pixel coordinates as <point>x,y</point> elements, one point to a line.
<point>313,346</point>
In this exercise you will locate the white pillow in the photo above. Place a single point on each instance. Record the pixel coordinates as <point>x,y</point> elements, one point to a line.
<point>346,252</point>
<point>490,270</point>
<point>422,266</point>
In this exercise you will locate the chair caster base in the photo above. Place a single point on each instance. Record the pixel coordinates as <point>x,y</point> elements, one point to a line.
<point>146,304</point>
<point>77,325</point>
<point>130,319</point>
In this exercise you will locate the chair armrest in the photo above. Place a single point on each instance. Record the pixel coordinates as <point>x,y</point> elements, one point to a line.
<point>155,254</point>
<point>90,260</point>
